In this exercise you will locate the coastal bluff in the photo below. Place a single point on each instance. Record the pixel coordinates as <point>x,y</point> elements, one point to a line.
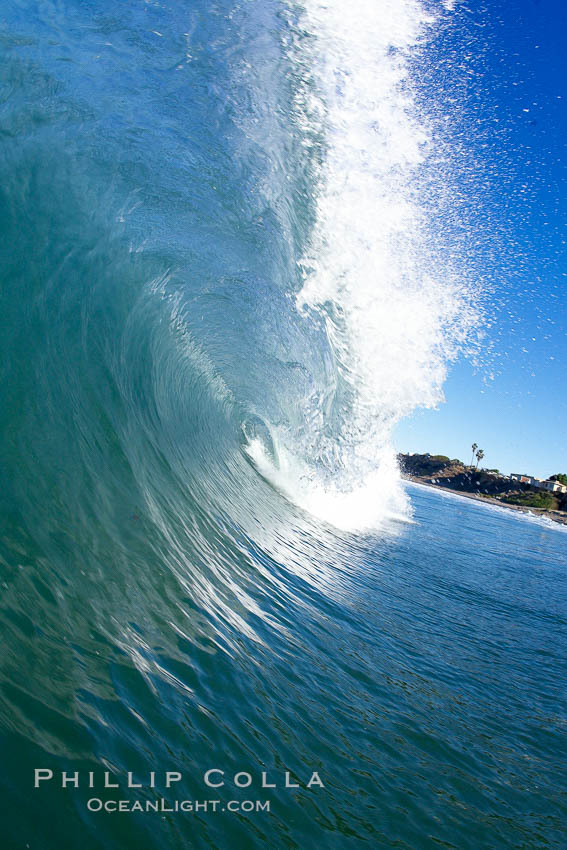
<point>482,484</point>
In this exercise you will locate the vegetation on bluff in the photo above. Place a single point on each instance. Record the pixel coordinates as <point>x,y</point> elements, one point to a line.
<point>546,501</point>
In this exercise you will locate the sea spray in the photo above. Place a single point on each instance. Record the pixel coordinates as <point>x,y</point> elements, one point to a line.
<point>395,312</point>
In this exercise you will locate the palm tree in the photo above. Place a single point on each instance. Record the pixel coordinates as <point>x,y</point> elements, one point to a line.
<point>479,457</point>
<point>474,448</point>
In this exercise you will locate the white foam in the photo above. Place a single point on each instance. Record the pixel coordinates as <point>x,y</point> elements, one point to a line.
<point>394,316</point>
<point>354,509</point>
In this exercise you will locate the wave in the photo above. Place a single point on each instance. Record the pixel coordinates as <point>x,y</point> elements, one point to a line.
<point>223,276</point>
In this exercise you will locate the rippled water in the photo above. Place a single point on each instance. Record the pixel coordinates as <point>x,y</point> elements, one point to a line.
<point>421,673</point>
<point>218,296</point>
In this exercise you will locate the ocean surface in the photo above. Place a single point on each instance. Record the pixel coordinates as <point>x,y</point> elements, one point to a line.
<point>223,283</point>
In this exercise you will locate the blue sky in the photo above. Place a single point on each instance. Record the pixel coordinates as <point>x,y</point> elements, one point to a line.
<point>514,131</point>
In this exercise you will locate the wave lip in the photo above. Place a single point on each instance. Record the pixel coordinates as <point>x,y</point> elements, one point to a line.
<point>395,312</point>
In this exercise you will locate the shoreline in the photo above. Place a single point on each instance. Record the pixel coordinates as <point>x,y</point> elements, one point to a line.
<point>556,516</point>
